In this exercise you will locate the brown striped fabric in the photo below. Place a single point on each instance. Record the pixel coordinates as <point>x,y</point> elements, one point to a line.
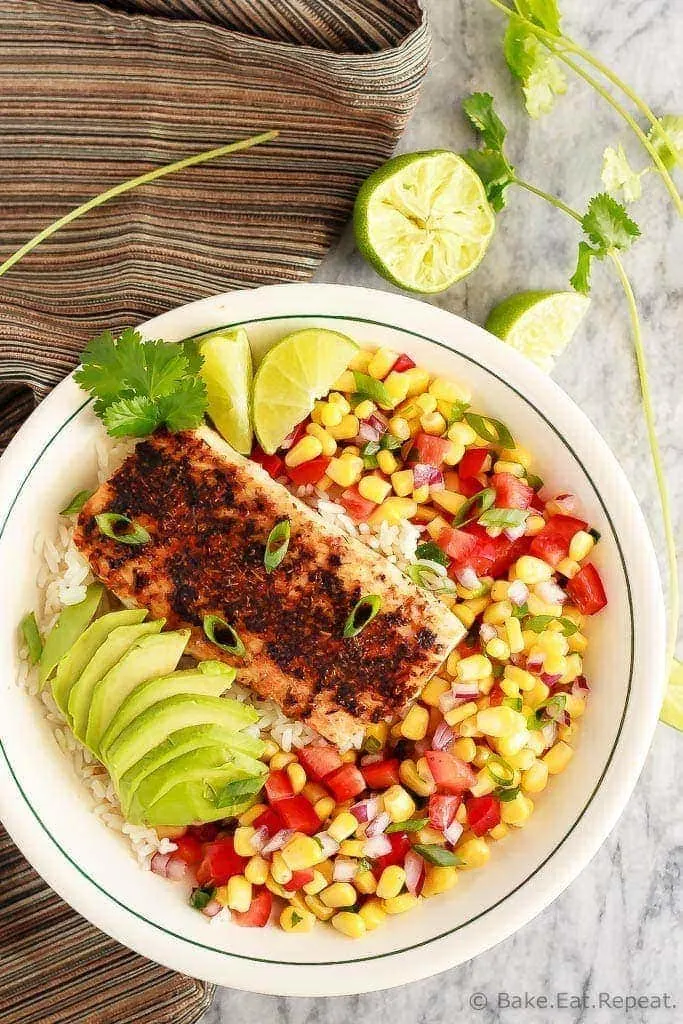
<point>93,94</point>
<point>55,968</point>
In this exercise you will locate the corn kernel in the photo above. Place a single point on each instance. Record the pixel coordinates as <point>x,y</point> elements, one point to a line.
<point>299,853</point>
<point>374,488</point>
<point>361,360</point>
<point>462,433</point>
<point>418,380</point>
<point>330,415</point>
<point>539,607</point>
<point>400,904</point>
<point>567,733</point>
<point>433,423</point>
<point>394,511</point>
<point>499,831</point>
<point>324,807</point>
<point>381,363</point>
<point>513,468</point>
<point>425,403</point>
<point>365,882</point>
<point>314,792</point>
<point>346,429</point>
<point>581,545</point>
<point>521,759</point>
<point>534,525</point>
<point>499,590</point>
<point>481,755</point>
<point>239,894</point>
<point>410,777</point>
<point>421,494</point>
<point>256,870</point>
<point>532,570</point>
<point>352,848</point>
<point>510,745</point>
<point>414,725</point>
<point>513,631</point>
<point>339,401</point>
<point>317,907</point>
<point>454,454</point>
<point>498,649</point>
<point>281,759</point>
<point>296,920</point>
<point>377,731</point>
<point>339,894</point>
<point>568,568</point>
<point>345,471</point>
<point>307,448</point>
<point>451,501</point>
<point>497,613</point>
<point>433,690</point>
<point>364,409</point>
<point>429,836</point>
<point>439,879</point>
<point>465,749</point>
<point>398,803</point>
<point>279,869</point>
<point>465,614</point>
<point>297,776</point>
<point>252,814</point>
<point>296,900</point>
<point>535,778</point>
<point>327,442</point>
<point>500,721</point>
<point>558,757</point>
<point>350,449</point>
<point>326,869</point>
<point>474,667</point>
<point>518,811</point>
<point>460,713</point>
<point>390,883</point>
<point>396,387</point>
<point>270,748</point>
<point>399,427</point>
<point>317,883</point>
<point>387,462</point>
<point>523,679</point>
<point>349,924</point>
<point>469,727</point>
<point>483,785</point>
<point>242,840</point>
<point>474,852</point>
<point>343,826</point>
<point>373,914</point>
<point>276,888</point>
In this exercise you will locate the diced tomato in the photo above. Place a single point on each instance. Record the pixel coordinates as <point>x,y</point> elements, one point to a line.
<point>270,820</point>
<point>297,813</point>
<point>204,833</point>
<point>511,492</point>
<point>299,879</point>
<point>537,502</point>
<point>259,911</point>
<point>381,774</point>
<point>442,808</point>
<point>308,472</point>
<point>493,556</point>
<point>496,696</point>
<point>319,761</point>
<point>404,362</point>
<point>552,543</point>
<point>345,782</point>
<point>483,814</point>
<point>469,645</point>
<point>586,590</point>
<point>400,844</point>
<point>220,863</point>
<point>358,507</point>
<point>272,464</point>
<point>450,773</point>
<point>189,849</point>
<point>469,486</point>
<point>431,450</point>
<point>472,462</point>
<point>278,786</point>
<point>295,435</point>
<point>456,544</point>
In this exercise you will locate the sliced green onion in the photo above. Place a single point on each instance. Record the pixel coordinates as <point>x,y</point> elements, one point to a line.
<point>503,517</point>
<point>363,613</point>
<point>506,795</point>
<point>521,611</point>
<point>76,503</point>
<point>223,635</point>
<point>200,898</point>
<point>431,552</point>
<point>411,825</point>
<point>110,524</point>
<point>31,634</point>
<point>370,461</point>
<point>500,772</point>
<point>534,481</point>
<point>491,430</point>
<point>277,544</point>
<point>534,721</point>
<point>239,790</point>
<point>438,855</point>
<point>457,412</point>
<point>512,702</point>
<point>368,387</point>
<point>389,443</point>
<point>371,745</point>
<point>481,501</point>
<point>537,623</point>
<point>370,448</point>
<point>428,578</point>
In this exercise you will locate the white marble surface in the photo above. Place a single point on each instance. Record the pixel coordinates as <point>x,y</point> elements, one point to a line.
<point>615,928</point>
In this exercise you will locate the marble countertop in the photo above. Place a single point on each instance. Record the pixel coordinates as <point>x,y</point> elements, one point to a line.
<point>614,929</point>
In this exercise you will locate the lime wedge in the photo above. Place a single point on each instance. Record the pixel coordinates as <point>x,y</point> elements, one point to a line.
<point>540,325</point>
<point>672,709</point>
<point>423,221</point>
<point>293,374</point>
<point>227,374</point>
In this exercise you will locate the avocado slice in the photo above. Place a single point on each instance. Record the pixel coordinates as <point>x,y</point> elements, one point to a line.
<point>104,659</point>
<point>148,658</point>
<point>212,680</point>
<point>155,724</point>
<point>75,660</point>
<point>66,630</point>
<point>182,742</point>
<point>194,800</point>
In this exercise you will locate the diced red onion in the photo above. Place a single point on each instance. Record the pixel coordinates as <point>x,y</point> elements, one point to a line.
<point>259,839</point>
<point>557,714</point>
<point>468,578</point>
<point>563,504</point>
<point>580,687</point>
<point>515,532</point>
<point>377,846</point>
<point>487,632</point>
<point>447,701</point>
<point>366,810</point>
<point>212,908</point>
<point>344,869</point>
<point>518,593</point>
<point>176,869</point>
<point>468,690</point>
<point>159,864</point>
<point>453,832</point>
<point>368,432</point>
<point>278,840</point>
<point>378,825</point>
<point>379,421</point>
<point>549,733</point>
<point>371,759</point>
<point>534,662</point>
<point>328,845</point>
<point>518,660</point>
<point>443,736</point>
<point>414,867</point>
<point>293,436</point>
<point>551,593</point>
<point>550,680</point>
<point>425,475</point>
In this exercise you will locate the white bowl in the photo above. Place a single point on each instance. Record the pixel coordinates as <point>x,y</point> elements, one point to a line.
<point>42,803</point>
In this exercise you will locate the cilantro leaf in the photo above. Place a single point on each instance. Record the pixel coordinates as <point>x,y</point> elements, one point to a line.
<point>581,278</point>
<point>495,173</point>
<point>544,13</point>
<point>101,371</point>
<point>522,49</point>
<point>618,175</point>
<point>184,409</point>
<point>540,75</point>
<point>671,151</point>
<point>542,87</point>
<point>134,416</point>
<point>478,109</point>
<point>608,225</point>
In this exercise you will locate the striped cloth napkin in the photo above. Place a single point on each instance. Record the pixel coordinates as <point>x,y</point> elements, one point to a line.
<point>94,94</point>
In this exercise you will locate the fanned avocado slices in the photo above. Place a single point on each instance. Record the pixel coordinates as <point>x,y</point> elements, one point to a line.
<point>192,801</point>
<point>66,630</point>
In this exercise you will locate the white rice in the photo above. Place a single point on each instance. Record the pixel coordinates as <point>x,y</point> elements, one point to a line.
<point>62,580</point>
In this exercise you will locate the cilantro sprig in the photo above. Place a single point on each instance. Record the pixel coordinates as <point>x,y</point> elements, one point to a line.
<point>139,386</point>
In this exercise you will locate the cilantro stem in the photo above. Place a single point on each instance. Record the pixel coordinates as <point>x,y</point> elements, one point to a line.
<point>126,186</point>
<point>553,200</point>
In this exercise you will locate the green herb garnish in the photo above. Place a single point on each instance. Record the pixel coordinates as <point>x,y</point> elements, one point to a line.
<point>506,795</point>
<point>121,528</point>
<point>238,790</point>
<point>223,635</point>
<point>363,613</point>
<point>534,481</point>
<point>477,504</point>
<point>277,544</point>
<point>438,855</point>
<point>500,772</point>
<point>200,898</point>
<point>503,518</point>
<point>410,825</point>
<point>537,623</point>
<point>389,443</point>
<point>371,745</point>
<point>535,722</point>
<point>491,430</point>
<point>511,702</point>
<point>31,635</point>
<point>456,413</point>
<point>430,551</point>
<point>521,611</point>
<point>76,503</point>
<point>296,919</point>
<point>368,387</point>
